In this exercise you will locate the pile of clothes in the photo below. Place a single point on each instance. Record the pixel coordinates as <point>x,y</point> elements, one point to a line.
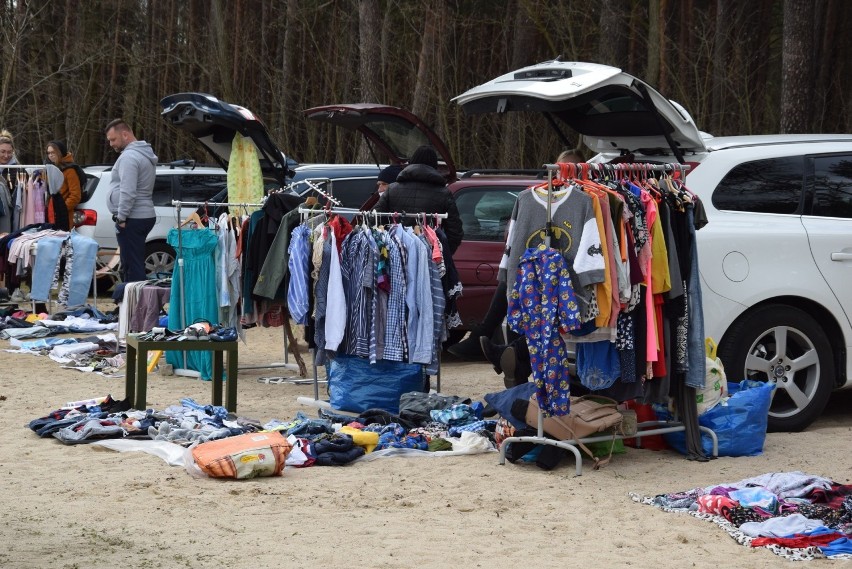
<point>330,440</point>
<point>794,514</point>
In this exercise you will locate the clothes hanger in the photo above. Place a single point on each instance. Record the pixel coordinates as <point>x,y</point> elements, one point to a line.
<point>193,218</point>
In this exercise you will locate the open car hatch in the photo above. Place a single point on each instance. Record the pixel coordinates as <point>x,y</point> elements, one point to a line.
<point>392,131</point>
<point>612,110</point>
<point>214,123</point>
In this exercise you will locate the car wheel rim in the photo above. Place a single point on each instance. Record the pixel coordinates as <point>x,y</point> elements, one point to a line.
<point>788,358</point>
<point>159,263</point>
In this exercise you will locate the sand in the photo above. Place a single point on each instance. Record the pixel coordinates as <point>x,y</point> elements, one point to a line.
<point>75,506</point>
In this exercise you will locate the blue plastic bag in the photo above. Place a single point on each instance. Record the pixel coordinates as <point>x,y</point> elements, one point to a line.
<point>355,385</point>
<point>739,423</point>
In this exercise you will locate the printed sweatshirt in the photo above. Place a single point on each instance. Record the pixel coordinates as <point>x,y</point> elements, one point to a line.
<point>575,235</point>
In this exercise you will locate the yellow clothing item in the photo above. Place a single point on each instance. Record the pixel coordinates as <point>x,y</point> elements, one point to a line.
<point>361,438</point>
<point>245,178</point>
<point>661,280</point>
<point>603,291</point>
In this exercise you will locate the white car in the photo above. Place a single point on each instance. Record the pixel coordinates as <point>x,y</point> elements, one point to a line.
<point>177,181</point>
<point>776,256</point>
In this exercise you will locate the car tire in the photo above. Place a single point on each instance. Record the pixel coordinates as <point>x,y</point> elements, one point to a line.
<point>803,373</point>
<point>159,259</point>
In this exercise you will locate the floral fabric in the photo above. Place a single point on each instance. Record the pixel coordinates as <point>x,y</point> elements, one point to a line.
<point>541,305</point>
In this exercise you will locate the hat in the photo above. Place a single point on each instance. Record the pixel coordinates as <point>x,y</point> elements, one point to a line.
<point>388,175</point>
<point>60,146</point>
<point>425,155</point>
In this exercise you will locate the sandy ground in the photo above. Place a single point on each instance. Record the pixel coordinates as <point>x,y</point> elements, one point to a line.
<point>75,506</point>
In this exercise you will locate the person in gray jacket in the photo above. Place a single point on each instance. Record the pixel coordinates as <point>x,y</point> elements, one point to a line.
<point>130,197</point>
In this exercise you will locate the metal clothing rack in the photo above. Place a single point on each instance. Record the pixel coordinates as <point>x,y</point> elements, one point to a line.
<point>644,429</point>
<point>179,204</point>
<point>313,184</point>
<point>34,167</point>
<point>316,401</point>
<point>368,214</point>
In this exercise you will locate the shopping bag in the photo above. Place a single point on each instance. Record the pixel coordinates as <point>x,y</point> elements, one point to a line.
<point>243,456</point>
<point>739,421</point>
<point>356,385</point>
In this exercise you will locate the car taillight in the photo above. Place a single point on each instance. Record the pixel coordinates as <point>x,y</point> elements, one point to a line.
<point>85,217</point>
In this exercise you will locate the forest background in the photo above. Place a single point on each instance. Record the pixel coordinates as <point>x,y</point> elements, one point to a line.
<point>739,67</point>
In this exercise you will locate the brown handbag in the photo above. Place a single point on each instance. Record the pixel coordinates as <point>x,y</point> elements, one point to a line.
<point>589,415</point>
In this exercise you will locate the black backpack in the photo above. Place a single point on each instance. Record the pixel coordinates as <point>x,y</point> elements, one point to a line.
<point>81,175</point>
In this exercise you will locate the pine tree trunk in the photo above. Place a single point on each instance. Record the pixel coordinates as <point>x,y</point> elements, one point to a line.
<point>796,66</point>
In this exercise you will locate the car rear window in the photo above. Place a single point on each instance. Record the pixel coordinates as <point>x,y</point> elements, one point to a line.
<point>762,186</point>
<point>200,187</point>
<point>833,186</point>
<point>350,192</point>
<point>162,195</point>
<point>485,211</point>
<point>89,189</point>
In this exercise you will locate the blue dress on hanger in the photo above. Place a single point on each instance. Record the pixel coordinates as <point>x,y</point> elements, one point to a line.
<point>197,281</point>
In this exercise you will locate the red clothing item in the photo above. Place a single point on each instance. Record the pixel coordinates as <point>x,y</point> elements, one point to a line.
<point>833,497</point>
<point>342,228</point>
<point>798,540</point>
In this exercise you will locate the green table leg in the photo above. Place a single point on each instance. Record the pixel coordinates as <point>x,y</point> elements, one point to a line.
<point>232,380</point>
<point>141,378</point>
<point>217,377</point>
<point>130,375</point>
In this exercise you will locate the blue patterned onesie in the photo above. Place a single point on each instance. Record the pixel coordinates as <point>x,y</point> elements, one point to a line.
<point>541,305</point>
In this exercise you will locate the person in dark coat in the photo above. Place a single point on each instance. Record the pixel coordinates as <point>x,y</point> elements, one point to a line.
<point>420,188</point>
<point>386,177</point>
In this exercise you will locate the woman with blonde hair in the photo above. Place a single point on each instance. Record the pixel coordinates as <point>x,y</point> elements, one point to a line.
<point>7,177</point>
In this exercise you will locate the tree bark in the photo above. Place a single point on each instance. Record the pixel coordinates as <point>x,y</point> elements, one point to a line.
<point>796,66</point>
<point>426,60</point>
<point>523,37</point>
<point>612,33</point>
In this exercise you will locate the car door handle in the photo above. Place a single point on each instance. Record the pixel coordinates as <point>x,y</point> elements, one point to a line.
<point>841,256</point>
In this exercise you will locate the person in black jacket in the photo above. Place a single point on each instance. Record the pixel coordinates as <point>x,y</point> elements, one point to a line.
<point>420,188</point>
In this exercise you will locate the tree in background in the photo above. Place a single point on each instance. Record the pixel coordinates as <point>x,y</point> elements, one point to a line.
<point>67,67</point>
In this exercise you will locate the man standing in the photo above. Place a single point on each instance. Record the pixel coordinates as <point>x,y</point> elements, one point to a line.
<point>130,202</point>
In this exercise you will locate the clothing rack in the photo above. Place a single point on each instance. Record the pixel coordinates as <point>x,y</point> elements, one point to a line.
<point>27,168</point>
<point>316,401</point>
<point>391,214</point>
<point>179,204</point>
<point>3,166</point>
<point>646,428</point>
<point>313,184</point>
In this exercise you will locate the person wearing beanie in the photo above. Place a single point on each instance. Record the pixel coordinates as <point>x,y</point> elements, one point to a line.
<point>420,188</point>
<point>72,186</point>
<point>387,177</point>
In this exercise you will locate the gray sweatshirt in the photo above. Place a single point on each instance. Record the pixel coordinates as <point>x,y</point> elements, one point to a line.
<point>132,183</point>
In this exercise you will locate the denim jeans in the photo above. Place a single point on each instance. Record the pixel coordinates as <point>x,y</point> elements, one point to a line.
<point>85,253</point>
<point>47,257</point>
<point>131,244</point>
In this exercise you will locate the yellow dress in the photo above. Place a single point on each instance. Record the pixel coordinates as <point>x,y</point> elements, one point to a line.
<point>245,179</point>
